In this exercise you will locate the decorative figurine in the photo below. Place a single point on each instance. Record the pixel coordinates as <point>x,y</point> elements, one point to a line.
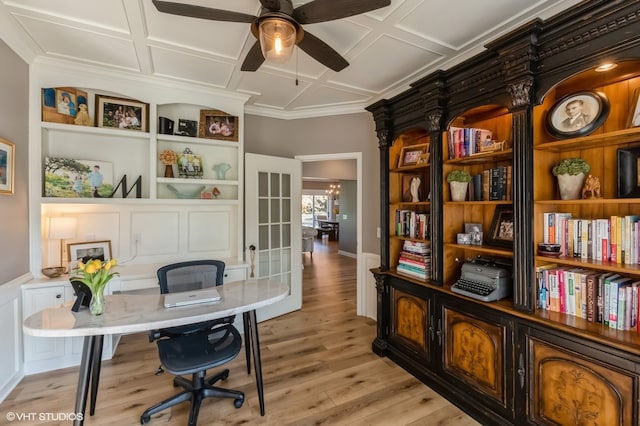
<point>591,188</point>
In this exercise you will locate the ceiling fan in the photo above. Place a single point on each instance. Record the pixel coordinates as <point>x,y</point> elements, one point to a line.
<point>278,28</point>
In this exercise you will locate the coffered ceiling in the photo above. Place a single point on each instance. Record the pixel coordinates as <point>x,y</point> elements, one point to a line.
<point>387,49</point>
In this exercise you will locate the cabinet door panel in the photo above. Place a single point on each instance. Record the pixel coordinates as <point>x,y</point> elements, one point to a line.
<point>410,323</point>
<point>570,389</point>
<point>474,352</point>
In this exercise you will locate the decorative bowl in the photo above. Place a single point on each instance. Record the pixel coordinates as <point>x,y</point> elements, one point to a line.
<point>186,190</point>
<point>53,272</point>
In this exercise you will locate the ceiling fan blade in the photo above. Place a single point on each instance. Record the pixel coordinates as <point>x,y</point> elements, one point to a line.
<point>272,5</point>
<point>322,52</point>
<point>329,10</point>
<point>201,12</point>
<point>253,59</point>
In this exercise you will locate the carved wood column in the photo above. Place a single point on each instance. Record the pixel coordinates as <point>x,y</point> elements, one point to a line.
<point>434,124</point>
<point>523,252</point>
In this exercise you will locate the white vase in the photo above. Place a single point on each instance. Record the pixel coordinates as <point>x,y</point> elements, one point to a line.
<point>570,186</point>
<point>458,190</point>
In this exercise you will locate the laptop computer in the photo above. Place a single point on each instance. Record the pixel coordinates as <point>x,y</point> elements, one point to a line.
<point>185,298</point>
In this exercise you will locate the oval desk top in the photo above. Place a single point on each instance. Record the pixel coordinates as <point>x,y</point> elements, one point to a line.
<point>132,313</point>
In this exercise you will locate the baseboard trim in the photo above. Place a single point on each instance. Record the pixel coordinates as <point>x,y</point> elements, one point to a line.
<point>348,254</point>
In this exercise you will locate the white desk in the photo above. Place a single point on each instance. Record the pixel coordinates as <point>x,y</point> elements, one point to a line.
<point>132,313</point>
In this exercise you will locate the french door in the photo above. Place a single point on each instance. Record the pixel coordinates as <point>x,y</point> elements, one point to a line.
<point>273,190</point>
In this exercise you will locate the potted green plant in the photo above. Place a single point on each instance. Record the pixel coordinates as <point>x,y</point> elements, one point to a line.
<point>458,183</point>
<point>571,173</point>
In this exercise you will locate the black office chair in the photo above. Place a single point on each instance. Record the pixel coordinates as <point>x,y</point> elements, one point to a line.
<point>195,348</point>
<point>194,354</point>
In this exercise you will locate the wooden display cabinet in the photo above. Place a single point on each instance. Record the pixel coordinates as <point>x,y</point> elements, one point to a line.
<point>456,213</point>
<point>409,162</point>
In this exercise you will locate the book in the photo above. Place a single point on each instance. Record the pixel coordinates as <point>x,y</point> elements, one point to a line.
<point>592,296</point>
<point>544,292</point>
<point>614,298</point>
<point>606,302</point>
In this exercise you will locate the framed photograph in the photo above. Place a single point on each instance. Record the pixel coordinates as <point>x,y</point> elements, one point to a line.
<point>62,104</point>
<point>189,164</point>
<point>216,124</point>
<point>474,230</point>
<point>414,188</point>
<point>84,252</point>
<point>119,113</point>
<point>187,128</point>
<point>424,158</point>
<point>501,232</point>
<point>410,155</point>
<point>577,114</point>
<point>634,112</point>
<point>71,178</point>
<point>7,166</point>
<point>628,172</point>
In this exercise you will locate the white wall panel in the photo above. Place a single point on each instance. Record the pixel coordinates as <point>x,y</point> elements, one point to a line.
<point>209,232</point>
<point>159,232</point>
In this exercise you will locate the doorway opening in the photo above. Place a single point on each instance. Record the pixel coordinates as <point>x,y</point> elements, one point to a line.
<point>357,156</point>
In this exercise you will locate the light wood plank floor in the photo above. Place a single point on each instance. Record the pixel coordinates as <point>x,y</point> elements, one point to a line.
<point>317,364</point>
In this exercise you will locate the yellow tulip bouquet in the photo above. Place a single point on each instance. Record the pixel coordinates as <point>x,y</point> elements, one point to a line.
<point>95,274</point>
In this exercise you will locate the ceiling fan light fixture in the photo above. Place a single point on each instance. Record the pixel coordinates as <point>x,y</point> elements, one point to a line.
<point>277,39</point>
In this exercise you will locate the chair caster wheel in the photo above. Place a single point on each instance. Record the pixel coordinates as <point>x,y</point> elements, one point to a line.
<point>238,402</point>
<point>144,419</point>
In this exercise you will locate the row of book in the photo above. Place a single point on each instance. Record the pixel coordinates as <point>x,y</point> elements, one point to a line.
<point>599,297</point>
<point>466,141</point>
<point>615,239</point>
<point>492,185</point>
<point>412,224</point>
<point>415,260</point>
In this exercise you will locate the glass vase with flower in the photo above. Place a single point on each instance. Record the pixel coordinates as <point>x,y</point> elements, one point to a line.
<point>95,274</point>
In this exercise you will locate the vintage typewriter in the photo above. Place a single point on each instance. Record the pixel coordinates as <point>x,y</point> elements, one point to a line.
<point>485,279</point>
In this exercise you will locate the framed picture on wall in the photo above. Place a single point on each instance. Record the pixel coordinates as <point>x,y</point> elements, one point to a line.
<point>7,166</point>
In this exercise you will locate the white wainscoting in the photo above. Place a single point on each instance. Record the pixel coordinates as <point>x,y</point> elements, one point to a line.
<point>369,296</point>
<point>148,233</point>
<point>11,335</point>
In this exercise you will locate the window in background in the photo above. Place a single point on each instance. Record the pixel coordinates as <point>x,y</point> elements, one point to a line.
<point>314,207</point>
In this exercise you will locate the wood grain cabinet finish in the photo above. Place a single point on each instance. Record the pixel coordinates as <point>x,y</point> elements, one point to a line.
<point>569,388</point>
<point>474,352</point>
<point>410,323</point>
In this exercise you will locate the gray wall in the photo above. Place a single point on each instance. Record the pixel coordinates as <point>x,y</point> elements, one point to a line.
<point>14,127</point>
<point>326,135</point>
<point>349,208</point>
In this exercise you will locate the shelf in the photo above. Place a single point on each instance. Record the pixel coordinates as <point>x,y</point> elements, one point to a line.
<point>411,203</point>
<point>592,141</point>
<point>197,141</point>
<point>406,169</point>
<point>402,238</point>
<point>483,249</point>
<point>592,264</point>
<point>592,201</point>
<point>477,203</point>
<point>70,128</point>
<point>483,157</point>
<point>197,181</point>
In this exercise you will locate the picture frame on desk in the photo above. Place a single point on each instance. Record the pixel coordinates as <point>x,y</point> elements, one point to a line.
<point>628,170</point>
<point>501,231</point>
<point>577,114</point>
<point>86,251</point>
<point>216,124</point>
<point>410,155</point>
<point>121,113</point>
<point>7,166</point>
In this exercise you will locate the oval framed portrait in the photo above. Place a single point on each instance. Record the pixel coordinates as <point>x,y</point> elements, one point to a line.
<point>577,114</point>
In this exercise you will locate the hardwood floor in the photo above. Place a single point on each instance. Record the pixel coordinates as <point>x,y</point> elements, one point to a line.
<point>317,364</point>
